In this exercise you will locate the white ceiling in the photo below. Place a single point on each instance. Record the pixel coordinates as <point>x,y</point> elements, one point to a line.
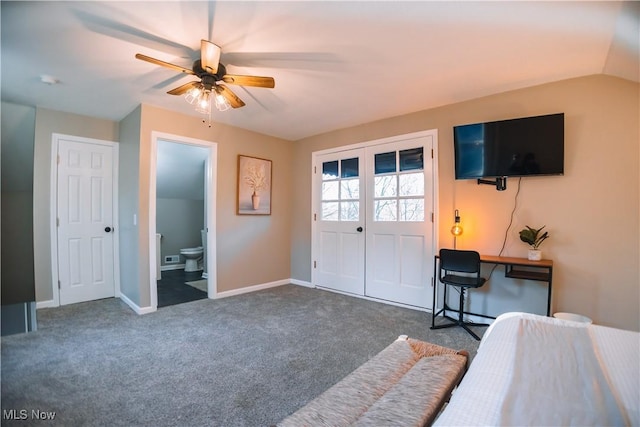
<point>336,64</point>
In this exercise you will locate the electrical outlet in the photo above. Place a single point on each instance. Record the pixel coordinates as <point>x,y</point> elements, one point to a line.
<point>172,259</point>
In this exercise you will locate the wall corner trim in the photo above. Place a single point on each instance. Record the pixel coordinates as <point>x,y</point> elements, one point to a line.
<point>135,307</point>
<point>301,283</point>
<point>46,304</point>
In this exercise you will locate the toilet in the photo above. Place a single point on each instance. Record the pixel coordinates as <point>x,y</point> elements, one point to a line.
<point>193,257</point>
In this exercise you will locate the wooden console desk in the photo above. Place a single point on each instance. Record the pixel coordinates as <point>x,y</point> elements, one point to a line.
<point>515,268</point>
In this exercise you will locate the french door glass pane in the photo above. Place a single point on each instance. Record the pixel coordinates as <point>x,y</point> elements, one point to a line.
<point>330,211</point>
<point>330,170</point>
<point>411,159</point>
<point>349,168</point>
<point>385,162</point>
<point>411,210</point>
<point>341,190</point>
<point>330,190</point>
<point>412,184</point>
<point>350,189</point>
<point>349,211</point>
<point>385,186</point>
<point>385,210</point>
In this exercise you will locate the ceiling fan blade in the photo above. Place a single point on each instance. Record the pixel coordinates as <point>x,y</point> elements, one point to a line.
<point>234,101</point>
<point>164,64</point>
<point>234,79</point>
<point>183,88</point>
<point>209,56</point>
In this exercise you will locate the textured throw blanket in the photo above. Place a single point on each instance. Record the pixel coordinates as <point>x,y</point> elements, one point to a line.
<point>565,387</point>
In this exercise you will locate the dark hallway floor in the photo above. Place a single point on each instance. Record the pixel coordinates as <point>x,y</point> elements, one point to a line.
<point>172,289</point>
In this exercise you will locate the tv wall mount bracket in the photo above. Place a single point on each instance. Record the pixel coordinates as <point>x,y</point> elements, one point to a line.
<point>500,182</point>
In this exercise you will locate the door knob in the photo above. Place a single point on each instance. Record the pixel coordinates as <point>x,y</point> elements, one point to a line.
<point>107,229</point>
<point>359,229</point>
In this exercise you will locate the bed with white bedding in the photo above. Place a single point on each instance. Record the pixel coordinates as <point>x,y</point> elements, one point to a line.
<point>536,370</point>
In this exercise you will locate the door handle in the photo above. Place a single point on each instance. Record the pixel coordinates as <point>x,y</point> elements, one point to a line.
<point>359,229</point>
<point>108,229</point>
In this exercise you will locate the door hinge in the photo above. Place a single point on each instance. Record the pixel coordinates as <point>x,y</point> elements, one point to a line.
<point>314,217</point>
<point>58,284</point>
<point>315,265</point>
<point>432,153</point>
<point>315,170</point>
<point>432,217</point>
<point>58,159</point>
<point>57,222</point>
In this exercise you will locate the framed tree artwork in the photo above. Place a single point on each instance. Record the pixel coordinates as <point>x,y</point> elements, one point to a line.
<point>254,186</point>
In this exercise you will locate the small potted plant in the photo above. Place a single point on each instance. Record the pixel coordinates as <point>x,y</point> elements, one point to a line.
<point>534,238</point>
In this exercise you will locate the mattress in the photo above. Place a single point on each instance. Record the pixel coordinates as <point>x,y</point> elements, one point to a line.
<point>536,370</point>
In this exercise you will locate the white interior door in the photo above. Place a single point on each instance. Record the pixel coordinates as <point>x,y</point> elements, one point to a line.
<point>374,229</point>
<point>85,221</point>
<point>399,237</point>
<point>339,216</point>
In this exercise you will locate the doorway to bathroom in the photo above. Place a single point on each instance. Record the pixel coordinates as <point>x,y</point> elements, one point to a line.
<point>182,219</point>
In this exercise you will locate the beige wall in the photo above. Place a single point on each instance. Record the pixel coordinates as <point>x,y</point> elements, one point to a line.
<point>252,250</point>
<point>47,123</point>
<point>128,200</point>
<point>592,212</point>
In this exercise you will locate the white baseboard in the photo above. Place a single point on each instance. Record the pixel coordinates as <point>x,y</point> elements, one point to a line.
<point>253,288</point>
<point>45,304</point>
<point>381,301</point>
<point>135,307</point>
<point>301,283</point>
<point>172,267</point>
<point>145,310</point>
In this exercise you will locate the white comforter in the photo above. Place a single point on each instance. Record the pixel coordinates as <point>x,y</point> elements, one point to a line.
<point>536,370</point>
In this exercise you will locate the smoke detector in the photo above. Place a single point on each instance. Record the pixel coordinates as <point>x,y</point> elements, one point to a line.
<point>47,79</point>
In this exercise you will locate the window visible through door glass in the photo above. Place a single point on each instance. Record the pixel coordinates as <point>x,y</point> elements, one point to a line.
<point>411,159</point>
<point>399,187</point>
<point>385,162</point>
<point>330,170</point>
<point>341,190</point>
<point>349,168</point>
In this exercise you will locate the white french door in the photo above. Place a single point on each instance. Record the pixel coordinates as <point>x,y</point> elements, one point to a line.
<point>399,226</point>
<point>373,210</point>
<point>85,217</point>
<point>339,213</point>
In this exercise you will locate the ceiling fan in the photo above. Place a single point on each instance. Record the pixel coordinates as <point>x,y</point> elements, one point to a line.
<point>211,74</point>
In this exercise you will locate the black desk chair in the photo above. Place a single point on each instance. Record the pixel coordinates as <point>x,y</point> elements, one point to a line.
<point>452,263</point>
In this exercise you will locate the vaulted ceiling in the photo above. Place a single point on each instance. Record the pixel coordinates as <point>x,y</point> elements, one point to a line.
<point>336,64</point>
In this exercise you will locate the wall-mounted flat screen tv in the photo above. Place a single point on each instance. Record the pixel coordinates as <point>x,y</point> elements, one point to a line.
<point>517,147</point>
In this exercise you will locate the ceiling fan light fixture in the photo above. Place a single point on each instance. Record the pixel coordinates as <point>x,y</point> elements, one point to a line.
<point>210,71</point>
<point>204,102</point>
<point>193,95</point>
<point>221,102</point>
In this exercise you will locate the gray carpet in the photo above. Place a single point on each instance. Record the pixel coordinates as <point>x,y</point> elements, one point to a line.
<point>248,360</point>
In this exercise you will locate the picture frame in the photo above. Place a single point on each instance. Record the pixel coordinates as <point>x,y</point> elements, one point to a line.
<point>254,186</point>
